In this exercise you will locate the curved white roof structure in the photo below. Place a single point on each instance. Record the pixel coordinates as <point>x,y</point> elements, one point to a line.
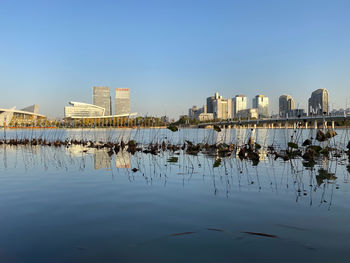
<point>28,112</point>
<point>109,116</point>
<point>83,104</point>
<point>80,110</point>
<point>21,112</point>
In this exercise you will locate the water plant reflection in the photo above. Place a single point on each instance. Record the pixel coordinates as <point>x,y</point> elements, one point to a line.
<point>225,175</point>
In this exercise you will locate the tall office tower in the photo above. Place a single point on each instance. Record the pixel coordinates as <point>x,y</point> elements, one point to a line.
<point>210,102</point>
<point>286,104</point>
<point>238,103</point>
<point>318,103</point>
<point>101,96</point>
<point>222,108</point>
<point>261,102</point>
<point>122,101</point>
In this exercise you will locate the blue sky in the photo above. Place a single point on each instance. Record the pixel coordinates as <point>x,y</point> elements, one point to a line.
<point>172,54</point>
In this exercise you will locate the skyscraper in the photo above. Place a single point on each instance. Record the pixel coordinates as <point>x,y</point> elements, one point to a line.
<point>122,101</point>
<point>222,108</point>
<point>238,103</point>
<point>318,103</point>
<point>261,102</point>
<point>101,97</point>
<point>286,104</point>
<point>210,102</point>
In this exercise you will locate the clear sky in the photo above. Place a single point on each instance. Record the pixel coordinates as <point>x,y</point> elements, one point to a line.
<point>172,54</point>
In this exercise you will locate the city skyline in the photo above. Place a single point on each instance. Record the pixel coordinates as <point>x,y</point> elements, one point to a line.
<point>174,130</point>
<point>173,54</point>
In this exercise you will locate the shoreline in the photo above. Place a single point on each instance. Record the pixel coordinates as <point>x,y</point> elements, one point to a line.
<point>163,127</point>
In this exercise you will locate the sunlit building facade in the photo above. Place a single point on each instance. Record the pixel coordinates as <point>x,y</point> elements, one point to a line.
<point>318,102</point>
<point>261,102</point>
<point>80,110</point>
<point>238,103</point>
<point>19,117</point>
<point>122,101</point>
<point>247,114</point>
<point>101,96</point>
<point>222,108</point>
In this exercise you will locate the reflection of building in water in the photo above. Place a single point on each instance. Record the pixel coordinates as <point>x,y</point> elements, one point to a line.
<point>122,160</point>
<point>220,136</point>
<point>102,160</point>
<point>27,150</point>
<point>262,154</point>
<point>77,150</point>
<point>262,136</point>
<point>241,136</point>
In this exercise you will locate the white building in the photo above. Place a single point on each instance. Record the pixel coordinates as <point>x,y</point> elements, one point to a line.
<point>261,102</point>
<point>25,115</point>
<point>80,110</point>
<point>206,116</point>
<point>247,114</point>
<point>238,103</point>
<point>222,108</point>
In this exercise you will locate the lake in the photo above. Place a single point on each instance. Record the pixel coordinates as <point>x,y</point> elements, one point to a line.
<point>81,204</point>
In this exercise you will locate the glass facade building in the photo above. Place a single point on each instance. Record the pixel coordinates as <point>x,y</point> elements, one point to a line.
<point>318,103</point>
<point>286,104</point>
<point>122,101</point>
<point>101,96</point>
<point>238,103</point>
<point>261,103</point>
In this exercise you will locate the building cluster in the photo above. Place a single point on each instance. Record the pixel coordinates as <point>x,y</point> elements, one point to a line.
<point>217,107</point>
<point>101,104</point>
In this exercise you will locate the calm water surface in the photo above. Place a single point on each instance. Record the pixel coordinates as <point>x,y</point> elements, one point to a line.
<point>82,205</point>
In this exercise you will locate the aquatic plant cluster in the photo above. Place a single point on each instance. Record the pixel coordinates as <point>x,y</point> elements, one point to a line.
<point>309,150</point>
<point>307,159</point>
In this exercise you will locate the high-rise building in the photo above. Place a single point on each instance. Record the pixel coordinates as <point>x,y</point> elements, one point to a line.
<point>101,96</point>
<point>238,103</point>
<point>261,102</point>
<point>210,103</point>
<point>286,104</point>
<point>222,108</point>
<point>318,103</point>
<point>122,101</point>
